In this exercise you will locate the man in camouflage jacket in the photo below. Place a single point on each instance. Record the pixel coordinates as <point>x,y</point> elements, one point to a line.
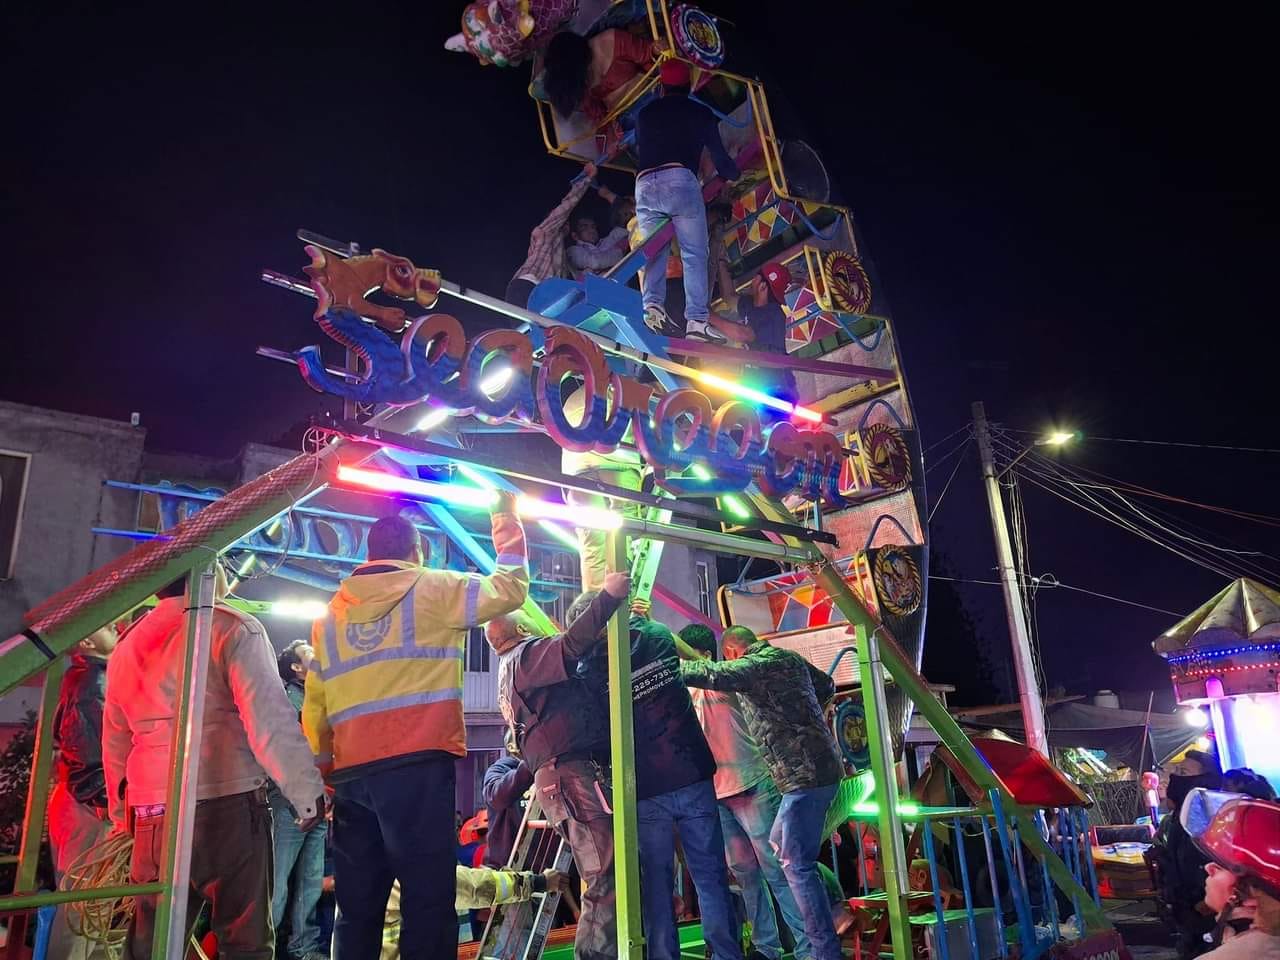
<point>782,697</point>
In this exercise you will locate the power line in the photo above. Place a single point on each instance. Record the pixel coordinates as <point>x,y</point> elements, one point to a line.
<point>948,455</point>
<point>1065,586</point>
<point>1228,566</point>
<point>1045,481</point>
<point>1167,443</point>
<point>946,486</point>
<point>938,443</point>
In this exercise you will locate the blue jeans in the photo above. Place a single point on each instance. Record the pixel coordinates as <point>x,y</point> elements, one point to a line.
<point>692,811</point>
<point>675,194</point>
<point>747,819</point>
<point>797,836</point>
<point>300,856</point>
<point>396,824</point>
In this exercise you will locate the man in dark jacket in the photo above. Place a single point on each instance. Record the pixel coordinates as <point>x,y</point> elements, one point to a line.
<point>782,697</point>
<point>505,784</point>
<point>298,856</point>
<point>561,727</point>
<point>674,793</point>
<point>78,803</point>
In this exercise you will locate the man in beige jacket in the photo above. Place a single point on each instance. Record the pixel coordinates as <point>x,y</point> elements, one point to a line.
<point>250,733</point>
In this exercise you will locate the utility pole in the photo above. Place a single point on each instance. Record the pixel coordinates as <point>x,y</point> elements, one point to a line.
<point>1024,667</point>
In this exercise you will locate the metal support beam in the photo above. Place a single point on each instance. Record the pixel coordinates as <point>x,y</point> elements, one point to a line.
<point>38,789</point>
<point>880,741</point>
<point>370,433</point>
<point>916,688</point>
<point>626,847</point>
<point>693,536</point>
<point>170,938</point>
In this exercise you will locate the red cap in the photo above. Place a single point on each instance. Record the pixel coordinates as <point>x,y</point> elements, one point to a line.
<point>675,73</point>
<point>777,277</point>
<point>1244,837</point>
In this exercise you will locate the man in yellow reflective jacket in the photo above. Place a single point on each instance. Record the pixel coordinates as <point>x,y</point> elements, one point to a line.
<point>383,714</point>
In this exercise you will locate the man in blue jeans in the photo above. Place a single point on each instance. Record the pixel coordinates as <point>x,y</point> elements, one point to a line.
<point>297,855</point>
<point>782,697</point>
<point>671,133</point>
<point>748,803</point>
<point>673,767</point>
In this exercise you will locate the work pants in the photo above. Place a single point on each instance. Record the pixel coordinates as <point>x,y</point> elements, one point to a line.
<point>73,829</point>
<point>572,796</point>
<point>298,856</point>
<point>230,872</point>
<point>396,824</point>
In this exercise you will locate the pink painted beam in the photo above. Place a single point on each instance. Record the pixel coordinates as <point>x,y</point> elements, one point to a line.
<point>683,608</point>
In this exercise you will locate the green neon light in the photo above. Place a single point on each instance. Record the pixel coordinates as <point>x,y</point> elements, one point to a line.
<point>731,503</point>
<point>905,808</point>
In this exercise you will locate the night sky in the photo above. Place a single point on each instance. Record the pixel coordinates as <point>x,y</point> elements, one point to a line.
<point>1066,210</point>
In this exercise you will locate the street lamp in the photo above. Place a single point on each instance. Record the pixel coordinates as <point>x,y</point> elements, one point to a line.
<point>1058,438</point>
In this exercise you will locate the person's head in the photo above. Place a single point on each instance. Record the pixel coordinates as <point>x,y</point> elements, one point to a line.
<point>295,660</point>
<point>565,69</point>
<point>510,630</point>
<point>770,284</point>
<point>100,643</point>
<point>735,642</point>
<point>579,607</point>
<point>623,209</point>
<point>1244,780</point>
<point>701,638</point>
<point>1221,887</point>
<point>583,229</point>
<point>1243,838</point>
<point>674,75</point>
<point>395,538</point>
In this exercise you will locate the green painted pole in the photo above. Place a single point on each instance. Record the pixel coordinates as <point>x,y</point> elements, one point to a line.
<point>47,898</point>
<point>880,741</point>
<point>626,849</point>
<point>915,686</point>
<point>170,938</point>
<point>38,789</point>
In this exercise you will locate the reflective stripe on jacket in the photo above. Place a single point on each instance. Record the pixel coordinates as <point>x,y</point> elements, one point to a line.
<point>387,678</point>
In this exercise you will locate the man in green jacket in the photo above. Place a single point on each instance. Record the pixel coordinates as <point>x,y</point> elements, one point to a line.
<point>782,697</point>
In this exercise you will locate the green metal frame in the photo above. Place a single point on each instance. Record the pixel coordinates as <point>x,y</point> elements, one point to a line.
<point>622,753</point>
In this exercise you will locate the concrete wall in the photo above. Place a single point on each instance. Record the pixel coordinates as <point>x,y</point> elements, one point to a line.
<point>71,456</point>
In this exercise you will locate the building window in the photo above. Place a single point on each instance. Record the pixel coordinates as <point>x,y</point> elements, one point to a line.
<point>477,651</point>
<point>703,571</point>
<point>14,468</point>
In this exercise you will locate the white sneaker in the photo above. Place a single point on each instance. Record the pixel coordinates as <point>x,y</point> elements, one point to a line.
<point>655,318</point>
<point>701,330</point>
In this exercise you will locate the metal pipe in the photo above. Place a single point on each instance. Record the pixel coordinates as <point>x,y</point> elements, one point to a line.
<point>583,484</point>
<point>940,931</point>
<point>38,789</point>
<point>995,885</point>
<point>170,931</point>
<point>893,864</point>
<point>728,542</point>
<point>1017,887</point>
<point>15,903</point>
<point>968,893</point>
<point>630,941</point>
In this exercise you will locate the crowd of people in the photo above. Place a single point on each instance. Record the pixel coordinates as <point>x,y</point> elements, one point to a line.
<point>357,732</point>
<point>1218,880</point>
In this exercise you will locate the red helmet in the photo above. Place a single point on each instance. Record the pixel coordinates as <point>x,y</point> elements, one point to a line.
<point>1244,837</point>
<point>674,73</point>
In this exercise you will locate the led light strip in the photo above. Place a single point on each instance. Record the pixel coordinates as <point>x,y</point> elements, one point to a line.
<point>477,498</point>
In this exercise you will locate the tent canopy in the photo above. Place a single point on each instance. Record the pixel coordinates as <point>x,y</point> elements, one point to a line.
<point>1244,611</point>
<point>1118,732</point>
